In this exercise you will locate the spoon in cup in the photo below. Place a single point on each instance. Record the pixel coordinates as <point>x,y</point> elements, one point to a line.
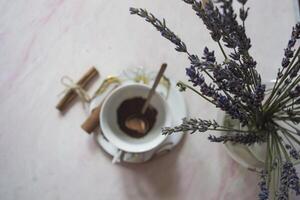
<point>138,122</point>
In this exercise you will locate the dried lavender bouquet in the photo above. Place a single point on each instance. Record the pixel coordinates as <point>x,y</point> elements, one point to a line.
<point>235,87</point>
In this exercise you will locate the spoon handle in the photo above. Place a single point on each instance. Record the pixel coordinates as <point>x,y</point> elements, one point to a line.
<point>151,92</point>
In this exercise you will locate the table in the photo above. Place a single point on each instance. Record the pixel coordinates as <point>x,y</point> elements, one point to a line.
<point>44,155</point>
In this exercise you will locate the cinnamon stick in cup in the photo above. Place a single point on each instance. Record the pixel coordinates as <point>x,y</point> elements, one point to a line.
<point>71,94</point>
<point>92,122</point>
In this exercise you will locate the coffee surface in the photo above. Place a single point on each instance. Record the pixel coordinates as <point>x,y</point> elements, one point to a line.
<point>133,107</point>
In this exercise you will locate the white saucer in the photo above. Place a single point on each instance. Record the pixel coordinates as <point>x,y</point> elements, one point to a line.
<point>178,110</point>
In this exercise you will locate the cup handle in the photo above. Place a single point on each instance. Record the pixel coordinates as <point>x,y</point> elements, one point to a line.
<point>117,156</point>
<point>165,148</point>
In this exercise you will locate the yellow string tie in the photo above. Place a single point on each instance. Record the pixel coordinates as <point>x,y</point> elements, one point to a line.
<point>71,85</point>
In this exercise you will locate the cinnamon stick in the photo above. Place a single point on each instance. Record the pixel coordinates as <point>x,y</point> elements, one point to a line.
<point>71,94</point>
<point>92,122</point>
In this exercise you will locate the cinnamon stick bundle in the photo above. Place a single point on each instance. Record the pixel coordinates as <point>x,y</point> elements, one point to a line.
<point>71,94</point>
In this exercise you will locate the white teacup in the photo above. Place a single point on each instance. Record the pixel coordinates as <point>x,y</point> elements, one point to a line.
<point>112,131</point>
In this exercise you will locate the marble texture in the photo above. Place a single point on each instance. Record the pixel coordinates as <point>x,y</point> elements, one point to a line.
<point>44,155</point>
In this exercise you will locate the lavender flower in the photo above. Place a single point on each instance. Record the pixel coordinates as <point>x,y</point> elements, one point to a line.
<point>294,71</point>
<point>291,43</point>
<point>209,90</point>
<point>235,56</point>
<point>296,31</point>
<point>229,78</point>
<point>232,109</point>
<point>244,14</point>
<point>208,63</point>
<point>285,62</point>
<point>288,52</point>
<point>249,62</point>
<point>194,76</point>
<point>209,56</point>
<point>295,92</point>
<point>242,1</point>
<point>246,139</point>
<point>289,179</point>
<point>259,94</point>
<point>195,61</point>
<point>293,152</point>
<point>264,192</point>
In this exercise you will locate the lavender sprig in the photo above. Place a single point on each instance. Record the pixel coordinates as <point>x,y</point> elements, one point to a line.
<point>161,27</point>
<point>289,180</point>
<point>199,125</point>
<point>293,152</point>
<point>237,138</point>
<point>287,71</point>
<point>289,52</point>
<point>191,126</point>
<point>264,191</point>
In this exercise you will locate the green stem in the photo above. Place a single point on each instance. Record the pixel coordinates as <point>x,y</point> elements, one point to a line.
<point>276,86</point>
<point>292,126</point>
<point>297,162</point>
<point>285,94</point>
<point>288,139</point>
<point>287,157</point>
<point>191,88</point>
<point>243,7</point>
<point>293,137</point>
<point>226,129</point>
<point>273,152</point>
<point>266,104</point>
<point>292,104</point>
<point>279,103</point>
<point>269,160</point>
<point>277,148</point>
<point>224,54</point>
<point>197,92</point>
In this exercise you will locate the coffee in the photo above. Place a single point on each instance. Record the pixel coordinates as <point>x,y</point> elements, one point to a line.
<point>132,107</point>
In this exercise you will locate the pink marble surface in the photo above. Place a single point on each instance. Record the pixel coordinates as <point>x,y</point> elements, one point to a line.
<point>46,156</point>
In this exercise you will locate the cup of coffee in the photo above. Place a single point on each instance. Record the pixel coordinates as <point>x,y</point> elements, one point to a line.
<point>126,101</point>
